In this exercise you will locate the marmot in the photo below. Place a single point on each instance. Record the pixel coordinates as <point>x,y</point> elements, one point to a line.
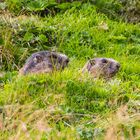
<point>101,67</point>
<point>44,62</point>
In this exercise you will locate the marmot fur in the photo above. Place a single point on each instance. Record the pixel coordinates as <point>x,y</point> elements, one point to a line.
<point>44,62</point>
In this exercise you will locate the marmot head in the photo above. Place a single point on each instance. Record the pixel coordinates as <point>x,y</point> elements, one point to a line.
<point>59,60</point>
<point>102,67</point>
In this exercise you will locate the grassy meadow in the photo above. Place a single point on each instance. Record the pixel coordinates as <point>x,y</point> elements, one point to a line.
<point>68,105</point>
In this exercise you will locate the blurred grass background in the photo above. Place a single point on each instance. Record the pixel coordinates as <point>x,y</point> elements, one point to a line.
<point>68,105</point>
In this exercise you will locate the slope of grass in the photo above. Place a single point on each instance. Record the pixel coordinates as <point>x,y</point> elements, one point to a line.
<point>69,105</point>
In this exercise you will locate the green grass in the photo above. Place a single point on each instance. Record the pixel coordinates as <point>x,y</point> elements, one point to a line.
<point>67,104</point>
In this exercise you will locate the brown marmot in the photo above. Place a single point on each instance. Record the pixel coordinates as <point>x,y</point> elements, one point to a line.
<point>44,62</point>
<point>101,67</point>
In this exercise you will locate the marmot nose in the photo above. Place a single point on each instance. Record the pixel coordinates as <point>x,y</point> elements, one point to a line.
<point>67,60</point>
<point>118,66</point>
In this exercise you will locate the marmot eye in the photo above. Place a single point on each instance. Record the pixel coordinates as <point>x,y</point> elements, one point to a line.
<point>104,61</point>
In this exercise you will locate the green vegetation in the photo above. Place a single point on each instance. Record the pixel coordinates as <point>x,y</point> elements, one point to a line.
<point>68,105</point>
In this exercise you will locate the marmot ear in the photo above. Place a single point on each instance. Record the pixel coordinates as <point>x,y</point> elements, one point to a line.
<point>38,59</point>
<point>92,61</point>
